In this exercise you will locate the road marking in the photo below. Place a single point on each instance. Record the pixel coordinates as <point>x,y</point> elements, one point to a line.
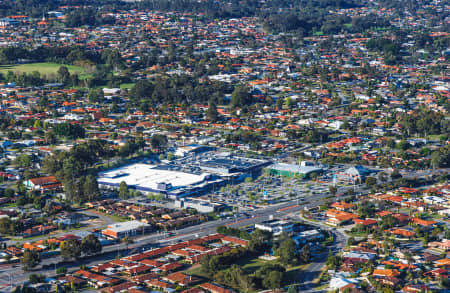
<point>241,221</point>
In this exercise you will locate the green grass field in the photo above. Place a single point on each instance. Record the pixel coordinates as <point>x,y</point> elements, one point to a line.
<point>42,68</point>
<point>127,85</point>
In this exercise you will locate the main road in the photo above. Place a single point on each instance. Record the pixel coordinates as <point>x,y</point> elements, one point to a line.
<point>13,275</point>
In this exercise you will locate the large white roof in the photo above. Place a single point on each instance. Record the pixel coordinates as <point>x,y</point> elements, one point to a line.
<point>148,176</point>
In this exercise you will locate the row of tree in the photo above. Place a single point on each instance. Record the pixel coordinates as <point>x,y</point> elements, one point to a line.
<point>70,249</point>
<point>70,167</point>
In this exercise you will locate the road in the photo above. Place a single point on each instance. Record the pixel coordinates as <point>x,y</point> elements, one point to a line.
<point>313,271</point>
<point>147,242</point>
<point>102,221</point>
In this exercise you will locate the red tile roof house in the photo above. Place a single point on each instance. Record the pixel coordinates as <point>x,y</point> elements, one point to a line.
<point>213,288</point>
<point>423,223</point>
<point>155,283</point>
<point>181,279</point>
<point>119,288</point>
<point>69,280</point>
<point>96,280</point>
<point>170,267</point>
<point>194,290</point>
<point>235,240</point>
<point>366,222</point>
<point>43,183</point>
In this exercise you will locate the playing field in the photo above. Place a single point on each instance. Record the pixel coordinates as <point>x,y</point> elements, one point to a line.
<point>43,68</point>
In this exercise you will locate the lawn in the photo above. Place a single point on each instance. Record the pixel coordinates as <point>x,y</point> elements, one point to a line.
<point>196,271</point>
<point>251,265</point>
<point>127,86</point>
<point>43,68</point>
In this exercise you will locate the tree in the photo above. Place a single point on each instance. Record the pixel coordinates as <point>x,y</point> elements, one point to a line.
<point>96,95</point>
<point>90,188</point>
<point>212,113</point>
<point>142,89</point>
<point>382,177</point>
<point>205,264</point>
<point>273,280</point>
<point>63,74</point>
<point>50,137</point>
<point>402,145</point>
<point>127,241</point>
<point>240,96</point>
<point>123,190</point>
<point>159,142</point>
<point>287,252</point>
<point>333,261</point>
<point>436,159</point>
<point>256,243</point>
<point>351,241</point>
<point>30,259</point>
<point>5,225</point>
<point>70,249</point>
<point>371,181</point>
<point>91,245</point>
<point>306,253</point>
<point>72,131</point>
<point>61,270</point>
<point>34,279</point>
<point>170,156</point>
<point>23,160</point>
<point>395,174</point>
<point>332,189</point>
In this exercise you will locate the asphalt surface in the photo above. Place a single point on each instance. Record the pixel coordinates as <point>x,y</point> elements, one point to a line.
<point>314,270</point>
<point>12,275</point>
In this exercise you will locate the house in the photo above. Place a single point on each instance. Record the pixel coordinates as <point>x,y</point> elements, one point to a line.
<point>342,206</point>
<point>443,245</point>
<point>235,240</point>
<point>96,280</point>
<point>43,184</point>
<point>308,236</point>
<point>354,174</point>
<point>365,222</point>
<point>276,226</point>
<point>130,228</point>
<point>181,279</point>
<point>213,288</point>
<point>70,280</point>
<point>337,218</point>
<point>385,273</point>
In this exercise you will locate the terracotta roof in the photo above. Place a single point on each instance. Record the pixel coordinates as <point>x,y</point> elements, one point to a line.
<point>214,288</point>
<point>385,272</point>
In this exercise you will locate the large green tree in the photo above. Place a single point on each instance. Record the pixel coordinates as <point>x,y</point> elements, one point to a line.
<point>287,252</point>
<point>240,96</point>
<point>30,259</point>
<point>91,245</point>
<point>70,249</point>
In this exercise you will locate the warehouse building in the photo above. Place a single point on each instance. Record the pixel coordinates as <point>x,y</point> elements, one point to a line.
<point>157,179</point>
<point>292,170</point>
<point>228,165</point>
<point>202,206</point>
<point>130,229</point>
<point>276,227</point>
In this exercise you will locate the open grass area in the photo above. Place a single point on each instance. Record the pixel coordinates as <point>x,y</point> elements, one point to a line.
<point>251,264</point>
<point>127,86</point>
<point>42,68</point>
<point>196,271</point>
